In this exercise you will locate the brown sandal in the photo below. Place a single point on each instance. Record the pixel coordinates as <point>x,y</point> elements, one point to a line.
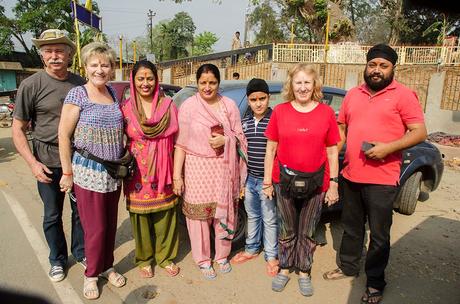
<point>146,272</point>
<point>376,295</point>
<point>172,269</point>
<point>336,274</point>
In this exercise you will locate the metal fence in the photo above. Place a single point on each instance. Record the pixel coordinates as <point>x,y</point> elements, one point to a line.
<point>356,54</point>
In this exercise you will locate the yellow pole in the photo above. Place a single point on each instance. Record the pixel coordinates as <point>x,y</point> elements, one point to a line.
<point>326,45</point>
<point>121,56</point>
<point>77,33</point>
<point>292,33</point>
<point>134,51</point>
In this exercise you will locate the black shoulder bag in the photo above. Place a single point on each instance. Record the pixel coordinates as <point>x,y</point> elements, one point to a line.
<point>300,185</point>
<point>117,169</point>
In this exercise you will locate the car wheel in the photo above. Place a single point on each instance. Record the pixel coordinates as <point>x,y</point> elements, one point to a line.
<point>239,239</point>
<point>409,194</point>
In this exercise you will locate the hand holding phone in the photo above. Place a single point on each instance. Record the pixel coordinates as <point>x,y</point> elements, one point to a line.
<point>365,146</point>
<point>219,129</point>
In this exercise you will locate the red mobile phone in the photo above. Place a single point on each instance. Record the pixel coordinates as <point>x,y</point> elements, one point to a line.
<point>219,129</point>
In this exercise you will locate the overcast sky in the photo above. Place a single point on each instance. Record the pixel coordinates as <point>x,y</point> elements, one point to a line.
<point>129,18</point>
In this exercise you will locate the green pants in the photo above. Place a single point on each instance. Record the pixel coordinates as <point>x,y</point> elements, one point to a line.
<point>156,236</point>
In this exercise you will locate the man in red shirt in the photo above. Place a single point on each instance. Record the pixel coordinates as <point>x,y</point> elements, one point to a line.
<point>377,120</point>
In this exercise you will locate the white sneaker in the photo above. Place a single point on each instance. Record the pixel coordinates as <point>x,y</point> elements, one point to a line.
<point>56,273</point>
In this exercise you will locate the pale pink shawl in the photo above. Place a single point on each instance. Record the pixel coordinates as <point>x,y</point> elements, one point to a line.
<point>235,171</point>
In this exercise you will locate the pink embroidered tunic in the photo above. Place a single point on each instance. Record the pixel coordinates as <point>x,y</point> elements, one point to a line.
<point>145,193</point>
<point>212,183</point>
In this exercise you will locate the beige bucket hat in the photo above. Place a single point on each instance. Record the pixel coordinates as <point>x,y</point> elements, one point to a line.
<point>53,36</point>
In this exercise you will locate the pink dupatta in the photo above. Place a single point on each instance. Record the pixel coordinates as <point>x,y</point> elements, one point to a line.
<point>159,147</point>
<point>234,174</point>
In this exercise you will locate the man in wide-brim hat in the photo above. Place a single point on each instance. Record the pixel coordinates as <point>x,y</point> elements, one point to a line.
<point>54,36</point>
<point>39,100</point>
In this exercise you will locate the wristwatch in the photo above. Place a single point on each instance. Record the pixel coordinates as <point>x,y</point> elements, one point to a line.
<point>334,179</point>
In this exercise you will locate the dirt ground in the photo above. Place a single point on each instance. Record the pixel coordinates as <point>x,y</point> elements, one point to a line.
<point>424,264</point>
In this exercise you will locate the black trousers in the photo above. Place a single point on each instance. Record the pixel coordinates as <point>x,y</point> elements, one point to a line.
<point>373,203</point>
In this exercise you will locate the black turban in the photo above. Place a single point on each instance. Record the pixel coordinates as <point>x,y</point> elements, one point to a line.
<point>257,85</point>
<point>382,51</point>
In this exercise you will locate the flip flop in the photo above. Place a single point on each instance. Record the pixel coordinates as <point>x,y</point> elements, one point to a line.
<point>372,294</point>
<point>146,272</point>
<point>114,277</point>
<point>279,282</point>
<point>272,267</point>
<point>242,257</point>
<point>208,272</point>
<point>225,266</point>
<point>336,274</point>
<point>172,269</point>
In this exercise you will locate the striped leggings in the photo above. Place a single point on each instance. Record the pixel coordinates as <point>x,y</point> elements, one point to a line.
<point>297,221</point>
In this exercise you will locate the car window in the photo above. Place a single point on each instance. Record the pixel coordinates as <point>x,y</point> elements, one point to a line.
<point>125,93</point>
<point>183,94</point>
<point>169,92</point>
<point>333,100</point>
<point>275,99</point>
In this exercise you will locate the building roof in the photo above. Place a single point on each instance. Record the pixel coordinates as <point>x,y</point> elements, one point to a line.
<point>14,66</point>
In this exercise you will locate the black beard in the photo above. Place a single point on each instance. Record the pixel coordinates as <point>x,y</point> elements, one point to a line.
<point>379,85</point>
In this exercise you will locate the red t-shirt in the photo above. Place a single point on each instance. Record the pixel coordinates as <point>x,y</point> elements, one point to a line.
<point>383,118</point>
<point>302,138</point>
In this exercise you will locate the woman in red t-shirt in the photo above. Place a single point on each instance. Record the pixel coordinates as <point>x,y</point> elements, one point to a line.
<point>302,136</point>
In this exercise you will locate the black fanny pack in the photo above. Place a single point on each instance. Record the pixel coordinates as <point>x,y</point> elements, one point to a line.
<point>117,169</point>
<point>299,184</point>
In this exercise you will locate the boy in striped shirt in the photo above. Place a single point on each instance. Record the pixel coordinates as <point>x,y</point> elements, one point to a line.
<point>262,223</point>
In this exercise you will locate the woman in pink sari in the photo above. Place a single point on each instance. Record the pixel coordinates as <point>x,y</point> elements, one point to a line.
<point>151,126</point>
<point>208,170</point>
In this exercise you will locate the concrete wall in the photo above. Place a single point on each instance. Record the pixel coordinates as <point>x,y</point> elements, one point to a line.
<point>437,119</point>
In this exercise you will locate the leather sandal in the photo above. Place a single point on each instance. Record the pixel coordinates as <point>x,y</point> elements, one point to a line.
<point>114,277</point>
<point>90,289</point>
<point>146,272</point>
<point>336,274</point>
<point>172,269</point>
<point>376,295</point>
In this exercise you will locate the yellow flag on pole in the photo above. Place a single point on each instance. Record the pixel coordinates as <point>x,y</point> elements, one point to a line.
<point>89,5</point>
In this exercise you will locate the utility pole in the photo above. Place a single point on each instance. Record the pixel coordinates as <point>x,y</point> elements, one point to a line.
<point>246,26</point>
<point>151,14</point>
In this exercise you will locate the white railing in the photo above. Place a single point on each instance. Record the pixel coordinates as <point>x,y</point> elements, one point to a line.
<point>356,54</point>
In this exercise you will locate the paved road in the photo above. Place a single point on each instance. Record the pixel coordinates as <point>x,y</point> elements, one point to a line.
<point>424,265</point>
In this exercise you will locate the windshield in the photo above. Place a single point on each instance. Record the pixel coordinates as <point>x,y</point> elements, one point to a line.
<point>183,94</point>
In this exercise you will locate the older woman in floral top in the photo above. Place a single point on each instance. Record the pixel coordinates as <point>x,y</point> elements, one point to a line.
<point>91,116</point>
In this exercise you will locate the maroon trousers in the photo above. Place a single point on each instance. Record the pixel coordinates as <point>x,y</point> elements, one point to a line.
<point>98,215</point>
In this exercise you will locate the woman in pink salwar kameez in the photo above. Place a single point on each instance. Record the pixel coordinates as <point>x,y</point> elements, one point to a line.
<point>208,170</point>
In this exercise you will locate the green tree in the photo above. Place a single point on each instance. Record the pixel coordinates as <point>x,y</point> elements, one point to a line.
<point>35,16</point>
<point>179,33</point>
<point>6,44</point>
<point>203,43</point>
<point>267,25</point>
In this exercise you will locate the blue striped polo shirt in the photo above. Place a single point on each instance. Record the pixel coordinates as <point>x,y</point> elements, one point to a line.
<point>257,142</point>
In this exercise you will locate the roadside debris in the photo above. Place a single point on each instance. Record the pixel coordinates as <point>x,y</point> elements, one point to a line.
<point>445,139</point>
